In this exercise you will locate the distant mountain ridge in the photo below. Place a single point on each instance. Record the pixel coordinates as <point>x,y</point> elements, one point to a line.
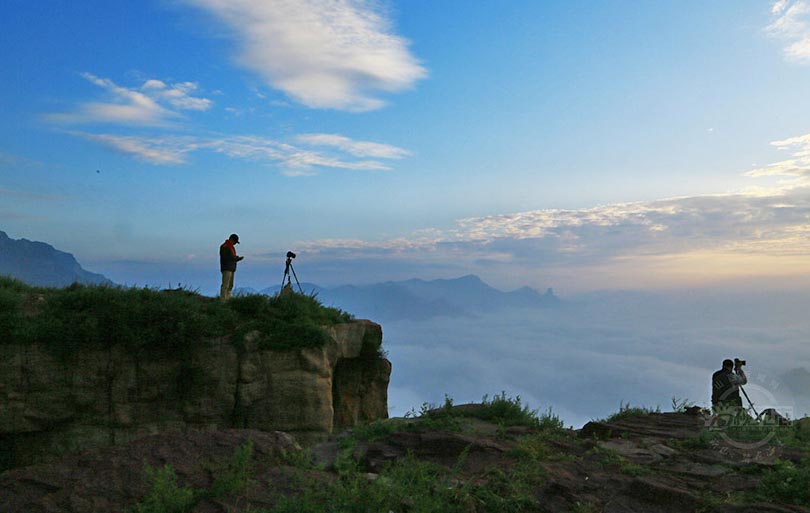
<point>417,299</point>
<point>42,265</point>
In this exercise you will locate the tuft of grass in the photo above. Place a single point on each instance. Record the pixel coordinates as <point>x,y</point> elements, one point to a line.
<point>164,495</point>
<point>507,411</point>
<point>681,405</point>
<point>627,411</point>
<point>286,321</point>
<point>502,410</point>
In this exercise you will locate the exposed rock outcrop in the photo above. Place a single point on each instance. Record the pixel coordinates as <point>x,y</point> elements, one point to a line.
<point>102,397</point>
<point>657,463</point>
<point>112,479</point>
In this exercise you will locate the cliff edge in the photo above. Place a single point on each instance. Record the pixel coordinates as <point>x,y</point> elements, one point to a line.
<point>57,398</point>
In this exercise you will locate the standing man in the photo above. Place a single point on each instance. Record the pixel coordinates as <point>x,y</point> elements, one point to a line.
<point>227,264</point>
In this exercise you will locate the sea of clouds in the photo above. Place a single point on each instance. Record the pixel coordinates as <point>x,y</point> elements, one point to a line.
<point>598,351</point>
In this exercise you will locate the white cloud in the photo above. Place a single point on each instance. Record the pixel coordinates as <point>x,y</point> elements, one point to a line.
<point>360,149</point>
<point>177,95</point>
<point>795,169</point>
<point>291,159</point>
<point>792,25</point>
<point>154,104</point>
<point>162,151</point>
<point>336,54</point>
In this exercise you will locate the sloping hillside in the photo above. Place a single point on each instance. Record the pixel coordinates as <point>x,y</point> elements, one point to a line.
<point>495,457</point>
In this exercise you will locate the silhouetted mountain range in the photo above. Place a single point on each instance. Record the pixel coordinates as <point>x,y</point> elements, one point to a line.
<point>417,299</point>
<point>40,264</point>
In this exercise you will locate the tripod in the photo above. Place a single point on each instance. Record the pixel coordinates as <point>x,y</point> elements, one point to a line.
<point>289,269</point>
<point>749,401</point>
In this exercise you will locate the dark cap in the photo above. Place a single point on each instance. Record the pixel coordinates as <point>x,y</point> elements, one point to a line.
<point>234,238</point>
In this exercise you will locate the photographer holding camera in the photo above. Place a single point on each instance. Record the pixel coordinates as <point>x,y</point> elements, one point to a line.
<point>726,387</point>
<point>227,265</point>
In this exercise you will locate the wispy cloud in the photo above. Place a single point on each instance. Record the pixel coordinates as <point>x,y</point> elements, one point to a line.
<point>154,103</point>
<point>336,54</point>
<point>791,24</point>
<point>155,150</point>
<point>360,149</point>
<point>795,170</point>
<point>177,95</point>
<point>290,159</point>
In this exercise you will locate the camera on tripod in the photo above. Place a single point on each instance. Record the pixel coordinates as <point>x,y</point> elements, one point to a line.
<point>288,271</point>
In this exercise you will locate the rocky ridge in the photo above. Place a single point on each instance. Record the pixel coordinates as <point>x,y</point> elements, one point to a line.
<point>660,462</point>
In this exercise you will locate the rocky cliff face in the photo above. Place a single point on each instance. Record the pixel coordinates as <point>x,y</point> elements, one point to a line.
<point>103,397</point>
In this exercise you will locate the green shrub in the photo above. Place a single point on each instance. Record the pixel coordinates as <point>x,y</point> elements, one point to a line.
<point>164,495</point>
<point>285,321</point>
<point>236,476</point>
<point>506,411</point>
<point>786,483</point>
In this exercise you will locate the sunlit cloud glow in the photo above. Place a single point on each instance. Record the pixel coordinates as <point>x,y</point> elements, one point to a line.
<point>763,232</point>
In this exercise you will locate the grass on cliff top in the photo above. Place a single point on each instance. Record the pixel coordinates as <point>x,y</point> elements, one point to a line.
<point>160,322</point>
<point>502,411</point>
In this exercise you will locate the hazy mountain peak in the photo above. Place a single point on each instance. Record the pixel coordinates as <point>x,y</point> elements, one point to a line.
<point>40,264</point>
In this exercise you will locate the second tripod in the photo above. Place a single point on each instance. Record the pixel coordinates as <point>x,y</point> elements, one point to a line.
<point>289,271</point>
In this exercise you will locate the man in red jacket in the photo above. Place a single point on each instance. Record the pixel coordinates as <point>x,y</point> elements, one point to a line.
<point>227,264</point>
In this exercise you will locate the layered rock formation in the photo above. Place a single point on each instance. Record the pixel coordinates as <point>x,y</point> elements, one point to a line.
<point>102,397</point>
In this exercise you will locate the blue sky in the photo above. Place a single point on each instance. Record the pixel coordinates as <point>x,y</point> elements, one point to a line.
<point>578,145</point>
